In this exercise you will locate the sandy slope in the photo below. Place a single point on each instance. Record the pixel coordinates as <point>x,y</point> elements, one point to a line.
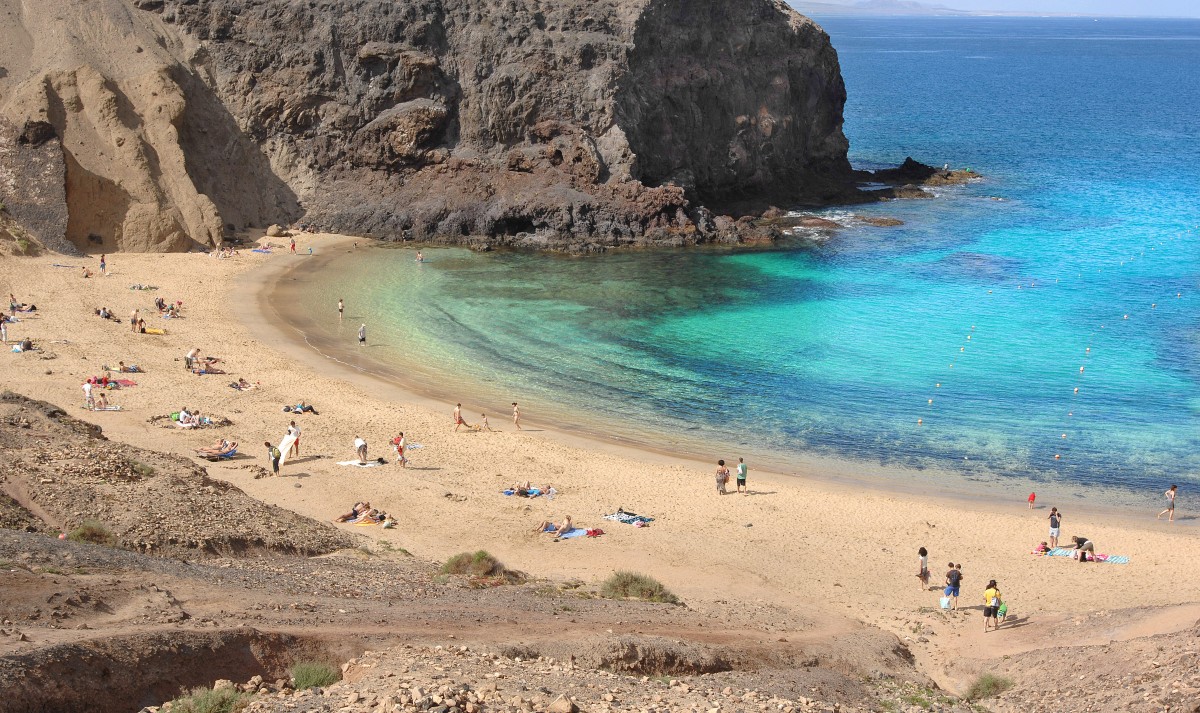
<point>825,549</point>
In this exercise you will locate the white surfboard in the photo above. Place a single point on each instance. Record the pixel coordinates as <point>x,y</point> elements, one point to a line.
<point>284,446</point>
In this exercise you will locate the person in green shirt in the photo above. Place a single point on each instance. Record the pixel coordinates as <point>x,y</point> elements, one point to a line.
<point>273,455</point>
<point>741,477</point>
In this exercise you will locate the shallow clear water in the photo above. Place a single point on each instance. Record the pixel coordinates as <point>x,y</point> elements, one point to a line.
<point>998,291</point>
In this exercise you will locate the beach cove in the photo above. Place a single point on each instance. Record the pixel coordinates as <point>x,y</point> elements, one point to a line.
<point>841,552</point>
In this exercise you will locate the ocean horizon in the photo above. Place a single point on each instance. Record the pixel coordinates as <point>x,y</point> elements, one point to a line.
<point>1039,325</point>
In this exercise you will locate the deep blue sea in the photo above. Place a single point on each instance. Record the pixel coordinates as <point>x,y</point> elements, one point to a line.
<point>1042,324</point>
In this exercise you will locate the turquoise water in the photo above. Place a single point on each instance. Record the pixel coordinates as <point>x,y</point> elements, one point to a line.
<point>987,301</point>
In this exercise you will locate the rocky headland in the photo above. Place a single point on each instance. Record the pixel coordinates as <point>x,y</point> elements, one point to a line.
<point>163,125</point>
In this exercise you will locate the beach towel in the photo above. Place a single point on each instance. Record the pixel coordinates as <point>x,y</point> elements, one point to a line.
<point>629,518</point>
<point>368,464</point>
<point>577,532</point>
<point>124,382</point>
<point>70,266</point>
<point>1070,551</point>
<point>260,250</point>
<point>532,492</point>
<point>107,408</point>
<point>154,330</point>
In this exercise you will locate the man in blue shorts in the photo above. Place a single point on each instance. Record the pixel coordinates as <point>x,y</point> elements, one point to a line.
<point>953,583</point>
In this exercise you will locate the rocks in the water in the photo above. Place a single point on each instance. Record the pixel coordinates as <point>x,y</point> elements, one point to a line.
<point>879,221</point>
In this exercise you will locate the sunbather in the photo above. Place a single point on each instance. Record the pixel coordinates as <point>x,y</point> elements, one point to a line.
<point>219,446</point>
<point>301,407</point>
<point>556,529</point>
<point>358,509</point>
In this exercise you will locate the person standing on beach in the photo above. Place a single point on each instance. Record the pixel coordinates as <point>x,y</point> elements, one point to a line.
<point>103,266</point>
<point>1170,511</point>
<point>87,395</point>
<point>3,329</point>
<point>741,477</point>
<point>133,320</point>
<point>362,335</point>
<point>341,308</point>
<point>722,476</point>
<point>360,448</point>
<point>991,606</point>
<point>516,416</point>
<point>1032,497</point>
<point>483,423</point>
<point>1055,523</point>
<point>293,246</point>
<point>398,444</point>
<point>953,584</point>
<point>273,455</point>
<point>923,568</point>
<point>294,430</point>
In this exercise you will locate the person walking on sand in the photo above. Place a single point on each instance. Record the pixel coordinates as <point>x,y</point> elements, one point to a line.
<point>362,335</point>
<point>741,477</point>
<point>516,416</point>
<point>293,246</point>
<point>1170,511</point>
<point>1032,497</point>
<point>991,606</point>
<point>953,584</point>
<point>1055,525</point>
<point>923,568</point>
<point>483,423</point>
<point>103,266</point>
<point>360,448</point>
<point>273,455</point>
<point>722,476</point>
<point>341,308</point>
<point>294,430</point>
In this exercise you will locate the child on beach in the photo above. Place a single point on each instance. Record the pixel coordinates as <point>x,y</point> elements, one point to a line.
<point>741,477</point>
<point>923,568</point>
<point>483,423</point>
<point>273,455</point>
<point>953,584</point>
<point>1170,511</point>
<point>1032,497</point>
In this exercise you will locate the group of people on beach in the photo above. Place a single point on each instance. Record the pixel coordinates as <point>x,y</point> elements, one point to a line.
<point>995,609</point>
<point>723,477</point>
<point>483,425</point>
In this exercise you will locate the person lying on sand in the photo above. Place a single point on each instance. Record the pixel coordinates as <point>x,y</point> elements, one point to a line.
<point>207,368</point>
<point>358,509</point>
<point>301,407</point>
<point>243,385</point>
<point>219,446</point>
<point>555,529</point>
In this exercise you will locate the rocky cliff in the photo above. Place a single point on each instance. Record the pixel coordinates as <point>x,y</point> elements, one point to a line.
<point>159,124</point>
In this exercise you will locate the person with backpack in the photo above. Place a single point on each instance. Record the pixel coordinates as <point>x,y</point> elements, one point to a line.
<point>991,606</point>
<point>953,584</point>
<point>273,455</point>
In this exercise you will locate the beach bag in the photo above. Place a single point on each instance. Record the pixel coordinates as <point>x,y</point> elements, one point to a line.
<point>175,416</point>
<point>945,602</point>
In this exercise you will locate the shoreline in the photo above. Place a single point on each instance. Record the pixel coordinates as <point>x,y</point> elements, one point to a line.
<point>985,491</point>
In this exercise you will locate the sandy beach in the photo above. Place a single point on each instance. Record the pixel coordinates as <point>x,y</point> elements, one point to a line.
<point>840,550</point>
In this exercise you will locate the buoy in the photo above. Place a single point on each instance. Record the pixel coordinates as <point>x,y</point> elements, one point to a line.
<point>1064,435</point>
<point>1126,316</point>
<point>930,400</point>
<point>968,337</point>
<point>1081,370</point>
<point>1057,456</point>
<point>1088,350</point>
<point>962,349</point>
<point>1153,305</point>
<point>1070,413</point>
<point>919,422</point>
<point>951,366</point>
<point>938,385</point>
<point>1076,389</point>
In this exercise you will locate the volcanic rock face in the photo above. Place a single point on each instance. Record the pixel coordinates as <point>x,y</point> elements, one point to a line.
<point>582,121</point>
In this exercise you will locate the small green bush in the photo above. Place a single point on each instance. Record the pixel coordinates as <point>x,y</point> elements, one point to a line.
<point>207,700</point>
<point>478,564</point>
<point>311,674</point>
<point>988,686</point>
<point>630,585</point>
<point>93,531</point>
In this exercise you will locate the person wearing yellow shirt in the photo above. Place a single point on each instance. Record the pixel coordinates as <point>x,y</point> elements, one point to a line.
<point>991,605</point>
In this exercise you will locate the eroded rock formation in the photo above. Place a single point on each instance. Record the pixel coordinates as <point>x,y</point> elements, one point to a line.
<point>595,122</point>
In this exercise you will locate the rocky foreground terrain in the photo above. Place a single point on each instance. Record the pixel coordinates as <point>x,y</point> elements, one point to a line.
<point>212,593</point>
<point>156,125</point>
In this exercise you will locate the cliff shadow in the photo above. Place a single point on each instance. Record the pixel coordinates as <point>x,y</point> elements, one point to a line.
<point>226,164</point>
